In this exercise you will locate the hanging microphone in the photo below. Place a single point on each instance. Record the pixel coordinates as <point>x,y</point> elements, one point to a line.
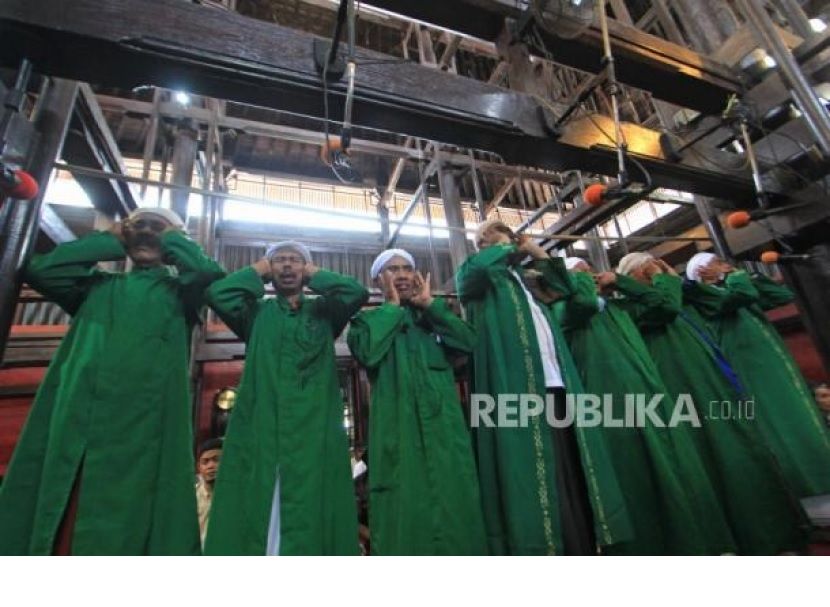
<point>597,193</point>
<point>17,184</point>
<point>741,219</point>
<point>776,257</point>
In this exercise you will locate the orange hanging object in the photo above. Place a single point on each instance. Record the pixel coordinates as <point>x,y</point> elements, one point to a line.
<point>770,256</point>
<point>24,187</point>
<point>594,194</point>
<point>738,219</point>
<point>335,145</point>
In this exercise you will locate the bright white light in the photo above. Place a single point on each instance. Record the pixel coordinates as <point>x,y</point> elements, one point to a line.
<point>68,192</point>
<point>818,25</point>
<point>238,210</point>
<point>769,62</point>
<point>182,98</point>
<point>823,90</point>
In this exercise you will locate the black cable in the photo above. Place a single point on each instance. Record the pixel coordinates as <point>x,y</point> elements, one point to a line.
<point>782,163</point>
<point>628,157</point>
<point>333,56</point>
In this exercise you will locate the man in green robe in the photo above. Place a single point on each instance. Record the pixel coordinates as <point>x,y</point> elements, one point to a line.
<point>285,486</point>
<point>672,503</point>
<point>761,508</point>
<point>423,488</point>
<point>540,486</point>
<point>104,464</point>
<point>733,305</point>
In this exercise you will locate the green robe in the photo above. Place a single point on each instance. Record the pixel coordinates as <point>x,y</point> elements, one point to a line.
<point>784,405</point>
<point>516,465</point>
<point>423,488</point>
<point>113,407</point>
<point>761,509</point>
<point>670,498</point>
<point>286,445</point>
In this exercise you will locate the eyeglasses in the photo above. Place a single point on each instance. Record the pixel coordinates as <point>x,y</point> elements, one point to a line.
<point>394,269</point>
<point>155,225</point>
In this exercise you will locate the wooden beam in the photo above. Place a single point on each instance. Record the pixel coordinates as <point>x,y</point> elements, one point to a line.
<point>426,52</point>
<point>500,194</point>
<point>449,52</point>
<point>394,177</point>
<point>499,73</point>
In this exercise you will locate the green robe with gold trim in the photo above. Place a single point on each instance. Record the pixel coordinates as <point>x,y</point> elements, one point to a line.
<point>761,508</point>
<point>113,411</point>
<point>671,500</point>
<point>784,405</point>
<point>516,465</point>
<point>285,485</point>
<point>423,488</point>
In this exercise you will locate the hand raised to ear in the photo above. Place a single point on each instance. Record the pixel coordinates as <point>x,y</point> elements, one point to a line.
<point>390,293</point>
<point>263,268</point>
<point>309,270</point>
<point>117,230</point>
<point>666,267</point>
<point>423,291</point>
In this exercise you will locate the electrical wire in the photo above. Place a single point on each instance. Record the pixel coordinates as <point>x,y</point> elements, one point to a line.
<point>329,155</point>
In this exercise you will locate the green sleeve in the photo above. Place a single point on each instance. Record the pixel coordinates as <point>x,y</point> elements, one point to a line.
<point>342,296</point>
<point>555,275</point>
<point>236,298</point>
<point>771,294</point>
<point>65,274</point>
<point>372,333</point>
<point>455,333</point>
<point>713,302</point>
<point>655,304</point>
<point>474,277</point>
<point>582,304</point>
<point>196,270</point>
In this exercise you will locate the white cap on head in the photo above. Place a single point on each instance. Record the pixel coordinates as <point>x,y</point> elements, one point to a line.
<point>382,259</point>
<point>572,262</point>
<point>166,214</point>
<point>289,244</point>
<point>697,263</point>
<point>632,261</point>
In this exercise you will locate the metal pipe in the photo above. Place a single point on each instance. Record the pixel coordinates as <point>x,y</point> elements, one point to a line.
<point>152,137</point>
<point>713,227</point>
<point>476,186</point>
<point>817,118</point>
<point>421,191</point>
<point>433,258</point>
<point>753,163</point>
<point>19,220</point>
<point>614,91</point>
<point>13,102</point>
<point>798,20</point>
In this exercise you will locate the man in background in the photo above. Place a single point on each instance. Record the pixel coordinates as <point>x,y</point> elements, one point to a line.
<point>210,454</point>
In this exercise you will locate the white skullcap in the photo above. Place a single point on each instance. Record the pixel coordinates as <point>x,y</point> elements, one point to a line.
<point>166,214</point>
<point>697,263</point>
<point>289,244</point>
<point>572,262</point>
<point>382,259</point>
<point>631,262</point>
